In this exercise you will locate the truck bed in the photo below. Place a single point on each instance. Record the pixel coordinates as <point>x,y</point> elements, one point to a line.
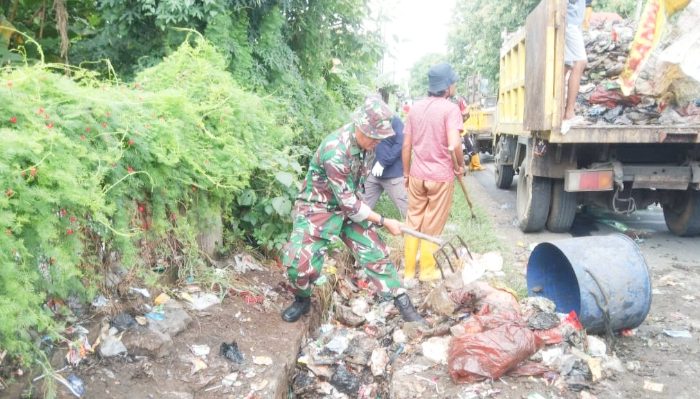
<point>628,134</point>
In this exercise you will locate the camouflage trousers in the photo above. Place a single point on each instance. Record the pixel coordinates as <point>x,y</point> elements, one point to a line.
<point>303,255</point>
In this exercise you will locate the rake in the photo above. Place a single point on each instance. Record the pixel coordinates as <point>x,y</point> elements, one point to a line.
<point>446,248</point>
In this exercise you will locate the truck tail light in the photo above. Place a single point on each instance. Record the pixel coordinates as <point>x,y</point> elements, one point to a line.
<point>588,180</point>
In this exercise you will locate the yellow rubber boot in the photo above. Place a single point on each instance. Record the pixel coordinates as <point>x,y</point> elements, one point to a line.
<point>475,164</point>
<point>410,245</point>
<point>428,266</point>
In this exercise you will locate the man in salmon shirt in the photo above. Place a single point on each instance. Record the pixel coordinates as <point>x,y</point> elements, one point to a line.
<point>432,125</point>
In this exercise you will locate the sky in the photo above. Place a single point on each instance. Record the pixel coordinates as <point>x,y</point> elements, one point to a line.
<point>412,29</point>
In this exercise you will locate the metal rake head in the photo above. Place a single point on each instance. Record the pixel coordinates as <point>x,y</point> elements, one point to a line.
<point>449,252</point>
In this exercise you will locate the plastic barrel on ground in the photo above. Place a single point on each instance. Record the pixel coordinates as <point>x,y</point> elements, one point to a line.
<point>591,274</point>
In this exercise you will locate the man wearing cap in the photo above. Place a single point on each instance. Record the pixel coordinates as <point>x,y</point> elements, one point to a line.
<point>328,206</point>
<point>433,125</point>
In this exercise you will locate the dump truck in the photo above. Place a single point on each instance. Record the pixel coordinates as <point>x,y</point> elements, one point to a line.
<point>622,168</point>
<point>482,112</point>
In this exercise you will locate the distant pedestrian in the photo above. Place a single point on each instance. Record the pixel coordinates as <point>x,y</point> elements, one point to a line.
<point>387,171</point>
<point>328,206</point>
<point>433,125</point>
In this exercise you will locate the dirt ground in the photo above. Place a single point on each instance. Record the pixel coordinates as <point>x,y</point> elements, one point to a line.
<point>674,264</point>
<point>168,373</point>
<point>649,356</point>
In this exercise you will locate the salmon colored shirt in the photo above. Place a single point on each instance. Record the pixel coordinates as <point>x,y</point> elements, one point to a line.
<point>428,123</point>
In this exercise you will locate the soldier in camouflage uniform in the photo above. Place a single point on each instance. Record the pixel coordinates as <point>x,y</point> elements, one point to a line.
<point>328,206</point>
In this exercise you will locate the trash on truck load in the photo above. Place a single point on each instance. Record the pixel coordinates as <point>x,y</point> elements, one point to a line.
<point>665,85</point>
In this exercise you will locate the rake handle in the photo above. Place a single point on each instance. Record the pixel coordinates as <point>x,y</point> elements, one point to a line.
<point>455,162</point>
<point>422,236</point>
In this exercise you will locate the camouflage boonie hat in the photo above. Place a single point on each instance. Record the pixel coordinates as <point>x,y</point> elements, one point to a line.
<point>374,118</point>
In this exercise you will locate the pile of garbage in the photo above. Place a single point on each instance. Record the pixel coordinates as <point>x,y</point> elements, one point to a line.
<point>673,102</point>
<point>474,333</point>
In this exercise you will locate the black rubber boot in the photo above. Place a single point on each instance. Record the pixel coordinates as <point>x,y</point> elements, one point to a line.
<point>406,309</point>
<point>298,308</point>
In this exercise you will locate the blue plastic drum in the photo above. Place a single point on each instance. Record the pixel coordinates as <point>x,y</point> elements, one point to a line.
<point>599,277</point>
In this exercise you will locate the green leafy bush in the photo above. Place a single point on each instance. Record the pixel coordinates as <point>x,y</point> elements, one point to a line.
<point>89,167</point>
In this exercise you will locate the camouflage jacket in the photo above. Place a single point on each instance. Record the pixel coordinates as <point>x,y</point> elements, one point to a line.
<point>336,175</point>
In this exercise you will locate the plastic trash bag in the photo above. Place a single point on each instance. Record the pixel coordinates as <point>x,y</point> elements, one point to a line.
<point>490,354</point>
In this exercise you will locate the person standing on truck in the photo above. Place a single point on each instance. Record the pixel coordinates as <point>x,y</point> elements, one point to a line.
<point>432,126</point>
<point>328,206</point>
<point>575,58</point>
<point>387,172</point>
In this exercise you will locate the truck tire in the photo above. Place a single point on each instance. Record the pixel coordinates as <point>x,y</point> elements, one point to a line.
<point>504,176</point>
<point>533,197</point>
<point>504,172</point>
<point>562,209</point>
<point>682,215</point>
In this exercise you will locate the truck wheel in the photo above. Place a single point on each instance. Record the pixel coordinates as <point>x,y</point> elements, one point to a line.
<point>682,215</point>
<point>533,197</point>
<point>504,176</point>
<point>562,210</point>
<point>504,172</point>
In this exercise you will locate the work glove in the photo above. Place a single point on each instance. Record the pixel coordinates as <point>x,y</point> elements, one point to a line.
<point>377,170</point>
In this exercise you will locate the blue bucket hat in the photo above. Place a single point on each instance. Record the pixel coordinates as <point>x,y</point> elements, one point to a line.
<point>440,77</point>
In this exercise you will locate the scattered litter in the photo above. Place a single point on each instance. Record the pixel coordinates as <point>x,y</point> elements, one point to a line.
<point>344,381</point>
<point>346,316</point>
<point>379,361</point>
<point>77,385</point>
<point>435,349</point>
<point>628,332</point>
<point>338,344</point>
<point>653,386</point>
<point>197,365</point>
<point>543,321</point>
<point>490,354</point>
<point>200,350</point>
<point>491,261</point>
<point>158,316</point>
<point>262,360</point>
<point>596,346</point>
<point>230,379</point>
<point>144,292</point>
<point>203,300</point>
<point>678,333</point>
<point>535,395</point>
<point>111,346</point>
<point>123,321</point>
<point>161,299</point>
<point>141,320</point>
<point>244,262</point>
<point>359,306</point>
<point>100,301</point>
<point>398,336</point>
<point>231,352</point>
<point>438,300</point>
<point>78,350</point>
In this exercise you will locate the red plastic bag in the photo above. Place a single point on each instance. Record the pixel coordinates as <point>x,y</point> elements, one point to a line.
<point>612,98</point>
<point>490,354</point>
<point>555,335</point>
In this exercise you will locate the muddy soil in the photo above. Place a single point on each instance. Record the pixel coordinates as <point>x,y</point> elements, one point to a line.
<point>258,331</point>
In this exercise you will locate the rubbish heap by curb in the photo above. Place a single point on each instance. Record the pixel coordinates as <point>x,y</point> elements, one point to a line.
<point>475,333</point>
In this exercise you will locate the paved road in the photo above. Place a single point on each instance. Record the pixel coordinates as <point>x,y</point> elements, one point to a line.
<point>674,266</point>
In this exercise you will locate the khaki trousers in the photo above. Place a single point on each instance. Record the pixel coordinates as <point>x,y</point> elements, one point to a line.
<point>429,205</point>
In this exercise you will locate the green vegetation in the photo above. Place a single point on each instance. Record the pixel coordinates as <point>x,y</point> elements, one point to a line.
<point>116,148</point>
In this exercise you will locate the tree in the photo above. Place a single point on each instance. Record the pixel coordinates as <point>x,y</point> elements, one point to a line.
<point>418,77</point>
